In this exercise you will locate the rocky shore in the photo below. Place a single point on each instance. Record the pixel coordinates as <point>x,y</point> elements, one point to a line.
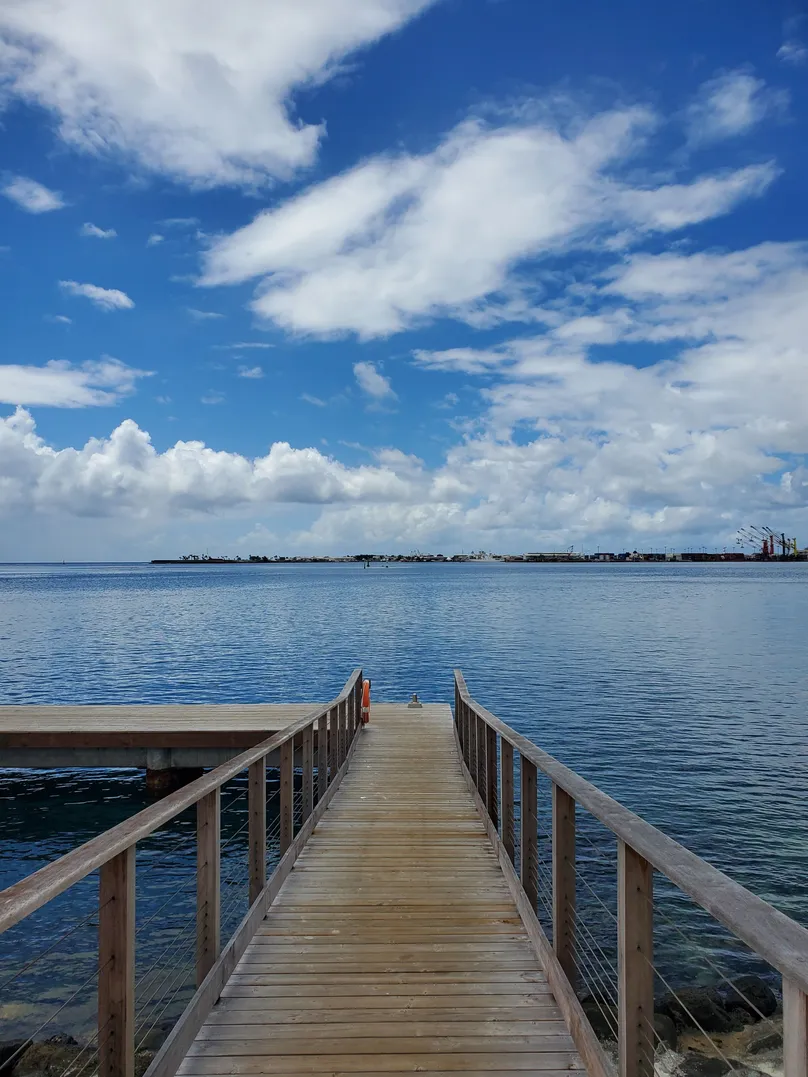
<point>743,1023</point>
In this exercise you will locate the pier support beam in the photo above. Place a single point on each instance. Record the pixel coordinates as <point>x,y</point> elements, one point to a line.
<point>162,777</point>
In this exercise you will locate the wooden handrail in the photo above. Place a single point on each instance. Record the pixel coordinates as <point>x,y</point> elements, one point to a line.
<point>34,891</point>
<point>776,937</point>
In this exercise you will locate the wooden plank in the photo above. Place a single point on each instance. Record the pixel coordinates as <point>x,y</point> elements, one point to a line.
<point>308,771</point>
<point>257,829</point>
<point>418,1061</point>
<point>506,811</point>
<point>287,791</point>
<point>208,882</point>
<point>635,955</point>
<point>795,1031</point>
<point>564,881</point>
<point>528,841</point>
<point>116,966</point>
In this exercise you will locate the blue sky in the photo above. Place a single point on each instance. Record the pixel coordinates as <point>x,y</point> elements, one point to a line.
<point>320,275</point>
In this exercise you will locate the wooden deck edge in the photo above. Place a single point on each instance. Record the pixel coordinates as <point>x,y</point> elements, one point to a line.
<point>586,1042</point>
<point>170,1056</point>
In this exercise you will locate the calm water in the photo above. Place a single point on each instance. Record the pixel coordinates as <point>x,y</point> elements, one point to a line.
<point>679,689</point>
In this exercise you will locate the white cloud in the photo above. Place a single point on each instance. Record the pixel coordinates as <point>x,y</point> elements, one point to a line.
<point>154,239</point>
<point>125,476</point>
<point>62,385</point>
<point>212,397</point>
<point>61,319</point>
<point>315,400</point>
<point>398,240</point>
<point>203,315</point>
<point>200,95</point>
<point>373,383</point>
<point>105,298</point>
<point>250,372</point>
<point>792,52</point>
<point>241,345</point>
<point>730,105</point>
<point>569,447</point>
<point>93,230</point>
<point>31,196</point>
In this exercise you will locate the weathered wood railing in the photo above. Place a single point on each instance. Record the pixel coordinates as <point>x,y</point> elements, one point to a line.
<point>113,852</point>
<point>641,849</point>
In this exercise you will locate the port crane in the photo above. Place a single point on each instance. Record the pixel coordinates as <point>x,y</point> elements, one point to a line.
<point>766,540</point>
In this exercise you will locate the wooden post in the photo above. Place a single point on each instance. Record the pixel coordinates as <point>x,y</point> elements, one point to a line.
<point>333,743</point>
<point>529,853</point>
<point>208,896</point>
<point>116,966</point>
<point>257,830</point>
<point>343,731</point>
<point>308,773</point>
<point>635,954</point>
<point>287,805</point>
<point>564,881</point>
<point>322,756</point>
<point>795,1030</point>
<point>506,812</point>
<point>479,776</point>
<point>472,759</point>
<point>491,798</point>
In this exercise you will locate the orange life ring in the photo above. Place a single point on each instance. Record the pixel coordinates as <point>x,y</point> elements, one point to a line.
<point>365,702</point>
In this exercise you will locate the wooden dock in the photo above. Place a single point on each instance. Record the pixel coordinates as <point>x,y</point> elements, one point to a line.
<point>156,737</point>
<point>398,930</point>
<point>395,944</point>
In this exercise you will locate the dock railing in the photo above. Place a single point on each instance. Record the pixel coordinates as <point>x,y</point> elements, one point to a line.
<point>493,753</point>
<point>324,740</point>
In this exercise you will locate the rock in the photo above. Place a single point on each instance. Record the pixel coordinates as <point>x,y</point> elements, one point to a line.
<point>766,1040</point>
<point>61,1039</point>
<point>666,1030</point>
<point>694,1006</point>
<point>10,1053</point>
<point>48,1059</point>
<point>696,1065</point>
<point>752,995</point>
<point>602,1017</point>
<point>143,1059</point>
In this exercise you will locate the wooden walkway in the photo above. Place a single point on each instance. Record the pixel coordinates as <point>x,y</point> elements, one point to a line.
<point>394,946</point>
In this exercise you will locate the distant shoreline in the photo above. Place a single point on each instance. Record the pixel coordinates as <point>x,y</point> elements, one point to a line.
<point>511,559</point>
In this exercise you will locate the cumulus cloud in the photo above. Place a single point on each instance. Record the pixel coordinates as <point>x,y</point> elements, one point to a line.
<point>372,383</point>
<point>730,105</point>
<point>31,196</point>
<point>199,94</point>
<point>63,385</point>
<point>250,372</point>
<point>400,239</point>
<point>124,475</point>
<point>203,315</point>
<point>93,230</point>
<point>105,298</point>
<point>154,239</point>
